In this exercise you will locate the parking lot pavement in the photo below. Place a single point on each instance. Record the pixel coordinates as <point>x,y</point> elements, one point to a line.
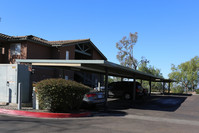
<point>156,102</point>
<point>139,118</point>
<point>124,124</point>
<point>167,106</point>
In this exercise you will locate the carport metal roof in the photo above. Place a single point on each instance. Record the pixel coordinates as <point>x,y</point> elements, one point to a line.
<point>96,66</point>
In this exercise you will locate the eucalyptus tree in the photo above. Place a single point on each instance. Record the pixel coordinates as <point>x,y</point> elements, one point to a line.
<point>193,70</point>
<point>186,73</point>
<point>125,53</point>
<point>145,67</point>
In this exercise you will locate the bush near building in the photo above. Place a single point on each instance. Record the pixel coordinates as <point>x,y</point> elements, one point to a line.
<point>60,95</point>
<point>197,91</point>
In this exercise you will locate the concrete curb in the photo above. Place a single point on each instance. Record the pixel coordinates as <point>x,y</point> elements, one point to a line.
<point>44,114</point>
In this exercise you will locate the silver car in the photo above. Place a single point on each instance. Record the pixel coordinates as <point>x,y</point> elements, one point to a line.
<point>94,97</point>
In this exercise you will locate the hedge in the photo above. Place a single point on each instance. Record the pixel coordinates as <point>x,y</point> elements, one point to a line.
<point>197,91</point>
<point>60,95</point>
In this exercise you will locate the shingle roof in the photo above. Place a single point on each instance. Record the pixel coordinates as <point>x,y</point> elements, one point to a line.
<point>46,42</point>
<point>34,38</point>
<point>3,36</point>
<point>62,42</point>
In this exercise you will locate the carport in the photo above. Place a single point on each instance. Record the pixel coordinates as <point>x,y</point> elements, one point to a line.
<point>98,66</point>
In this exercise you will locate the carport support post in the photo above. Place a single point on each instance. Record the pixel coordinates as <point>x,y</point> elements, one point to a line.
<point>150,87</point>
<point>134,89</point>
<point>163,87</point>
<point>169,88</point>
<point>106,89</point>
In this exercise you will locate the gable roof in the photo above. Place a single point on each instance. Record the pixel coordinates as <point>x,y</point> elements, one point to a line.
<point>74,42</point>
<point>49,43</point>
<point>63,42</point>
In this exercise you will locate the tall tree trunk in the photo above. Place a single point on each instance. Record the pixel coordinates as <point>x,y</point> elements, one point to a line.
<point>186,88</point>
<point>192,87</point>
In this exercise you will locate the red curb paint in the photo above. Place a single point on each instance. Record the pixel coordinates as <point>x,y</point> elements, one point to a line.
<point>43,114</point>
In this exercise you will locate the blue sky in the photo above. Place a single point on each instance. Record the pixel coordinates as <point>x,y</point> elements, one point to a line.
<point>167,29</point>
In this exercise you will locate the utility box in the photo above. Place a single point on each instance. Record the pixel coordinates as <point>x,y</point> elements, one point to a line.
<point>10,76</point>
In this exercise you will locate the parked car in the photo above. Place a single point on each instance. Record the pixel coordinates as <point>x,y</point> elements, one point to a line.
<point>101,88</point>
<point>145,91</point>
<point>124,89</point>
<point>93,98</point>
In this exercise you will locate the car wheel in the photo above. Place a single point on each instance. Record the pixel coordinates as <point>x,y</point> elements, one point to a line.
<point>127,96</point>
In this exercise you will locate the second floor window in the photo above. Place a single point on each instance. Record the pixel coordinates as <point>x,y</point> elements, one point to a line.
<point>2,50</point>
<point>67,55</point>
<point>15,49</point>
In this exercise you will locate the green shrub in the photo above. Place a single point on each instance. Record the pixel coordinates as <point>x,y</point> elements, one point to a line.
<point>60,95</point>
<point>177,89</point>
<point>197,91</point>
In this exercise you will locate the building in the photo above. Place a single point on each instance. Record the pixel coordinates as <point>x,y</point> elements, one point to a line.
<point>32,47</point>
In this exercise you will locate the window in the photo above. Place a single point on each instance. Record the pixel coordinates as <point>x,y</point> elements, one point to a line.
<point>66,77</point>
<point>15,49</point>
<point>2,50</point>
<point>67,55</point>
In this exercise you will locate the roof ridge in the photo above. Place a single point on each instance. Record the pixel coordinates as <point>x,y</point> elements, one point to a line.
<point>62,42</point>
<point>70,40</point>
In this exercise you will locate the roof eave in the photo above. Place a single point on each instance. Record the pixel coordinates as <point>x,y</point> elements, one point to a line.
<point>98,50</point>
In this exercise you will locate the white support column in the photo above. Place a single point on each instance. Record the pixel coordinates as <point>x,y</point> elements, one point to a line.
<point>35,100</point>
<point>19,96</point>
<point>98,86</point>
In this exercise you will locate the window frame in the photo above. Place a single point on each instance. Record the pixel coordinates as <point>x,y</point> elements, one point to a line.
<point>15,49</point>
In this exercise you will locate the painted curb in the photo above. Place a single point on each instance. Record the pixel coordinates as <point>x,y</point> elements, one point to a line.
<point>44,114</point>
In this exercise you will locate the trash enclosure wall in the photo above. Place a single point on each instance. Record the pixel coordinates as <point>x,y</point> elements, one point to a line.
<point>10,76</point>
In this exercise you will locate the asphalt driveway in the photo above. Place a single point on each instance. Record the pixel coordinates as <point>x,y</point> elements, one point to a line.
<point>180,114</point>
<point>155,102</point>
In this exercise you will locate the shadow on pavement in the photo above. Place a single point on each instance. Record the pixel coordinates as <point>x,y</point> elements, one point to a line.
<point>118,107</point>
<point>99,110</point>
<point>156,102</point>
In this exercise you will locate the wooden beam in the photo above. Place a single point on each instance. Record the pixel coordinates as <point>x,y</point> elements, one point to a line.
<point>79,47</point>
<point>87,49</point>
<point>82,52</point>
